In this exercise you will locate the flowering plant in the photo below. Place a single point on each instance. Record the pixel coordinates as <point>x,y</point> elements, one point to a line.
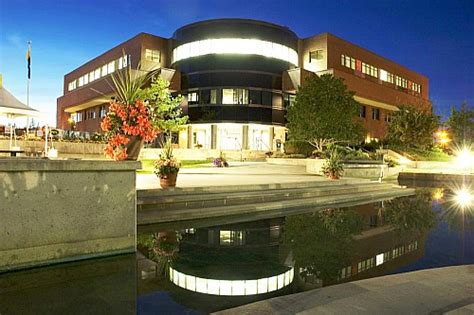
<point>124,121</point>
<point>139,112</point>
<point>221,161</point>
<point>167,163</point>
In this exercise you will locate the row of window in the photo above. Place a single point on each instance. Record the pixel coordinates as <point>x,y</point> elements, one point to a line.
<point>90,113</point>
<point>100,72</point>
<point>241,46</point>
<point>375,113</point>
<point>381,74</point>
<point>379,259</point>
<point>239,96</point>
<point>153,55</point>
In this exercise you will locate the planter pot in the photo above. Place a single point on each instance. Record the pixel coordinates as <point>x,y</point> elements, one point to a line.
<point>169,180</point>
<point>134,147</point>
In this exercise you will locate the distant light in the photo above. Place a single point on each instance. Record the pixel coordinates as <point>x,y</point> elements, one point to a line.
<point>464,198</point>
<point>438,194</point>
<point>464,158</point>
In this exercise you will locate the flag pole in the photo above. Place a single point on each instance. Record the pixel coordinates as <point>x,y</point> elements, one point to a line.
<point>28,60</point>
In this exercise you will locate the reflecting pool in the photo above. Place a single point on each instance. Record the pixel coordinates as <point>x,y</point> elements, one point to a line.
<point>209,265</point>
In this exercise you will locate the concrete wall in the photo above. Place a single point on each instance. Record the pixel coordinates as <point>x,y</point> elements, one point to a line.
<point>62,210</point>
<point>204,154</point>
<point>65,149</point>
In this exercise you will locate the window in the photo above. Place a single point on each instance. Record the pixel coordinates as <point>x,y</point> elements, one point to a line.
<point>91,114</point>
<point>103,111</point>
<point>388,117</point>
<point>86,79</point>
<point>80,81</point>
<point>97,73</point>
<point>231,238</point>
<point>104,70</point>
<point>316,55</point>
<point>193,97</point>
<point>255,97</point>
<point>375,114</point>
<point>111,67</point>
<point>78,116</point>
<point>365,264</point>
<point>152,55</point>
<point>266,98</point>
<point>208,96</point>
<point>288,100</point>
<point>362,111</point>
<point>123,61</point>
<point>235,96</point>
<point>346,272</point>
<point>72,85</point>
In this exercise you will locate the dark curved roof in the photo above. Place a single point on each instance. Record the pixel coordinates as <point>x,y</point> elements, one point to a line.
<point>237,20</point>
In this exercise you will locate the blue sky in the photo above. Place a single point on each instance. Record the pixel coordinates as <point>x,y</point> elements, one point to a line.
<point>435,38</point>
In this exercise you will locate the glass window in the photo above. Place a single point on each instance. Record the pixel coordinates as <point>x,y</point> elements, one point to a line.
<point>72,85</point>
<point>375,114</point>
<point>97,73</point>
<point>80,81</point>
<point>213,96</point>
<point>91,76</point>
<point>388,116</point>
<point>207,96</point>
<point>343,58</point>
<point>79,116</point>
<point>362,111</point>
<point>103,111</point>
<point>266,98</point>
<point>255,97</point>
<point>235,96</point>
<point>193,97</point>
<point>86,78</point>
<point>104,70</point>
<point>316,55</point>
<point>123,62</point>
<point>227,96</point>
<point>111,67</point>
<point>152,55</point>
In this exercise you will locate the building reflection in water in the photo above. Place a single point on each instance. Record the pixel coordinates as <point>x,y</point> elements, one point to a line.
<point>260,259</point>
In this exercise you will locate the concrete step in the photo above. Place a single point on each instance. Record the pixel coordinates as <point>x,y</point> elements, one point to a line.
<point>284,207</point>
<point>142,193</point>
<point>236,198</point>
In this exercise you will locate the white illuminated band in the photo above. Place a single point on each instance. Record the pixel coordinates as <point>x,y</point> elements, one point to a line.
<point>235,46</point>
<point>231,287</point>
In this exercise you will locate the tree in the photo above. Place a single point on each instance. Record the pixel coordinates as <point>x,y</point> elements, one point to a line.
<point>412,128</point>
<point>166,108</point>
<point>324,111</point>
<point>461,124</point>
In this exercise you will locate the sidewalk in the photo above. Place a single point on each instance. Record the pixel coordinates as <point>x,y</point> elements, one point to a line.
<point>239,173</point>
<point>447,290</point>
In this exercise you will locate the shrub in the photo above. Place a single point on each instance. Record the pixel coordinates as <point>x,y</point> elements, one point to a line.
<point>298,147</point>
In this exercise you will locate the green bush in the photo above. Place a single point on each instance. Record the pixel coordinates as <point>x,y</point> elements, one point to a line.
<point>298,147</point>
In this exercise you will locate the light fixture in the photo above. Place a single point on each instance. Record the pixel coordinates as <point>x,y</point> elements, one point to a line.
<point>464,198</point>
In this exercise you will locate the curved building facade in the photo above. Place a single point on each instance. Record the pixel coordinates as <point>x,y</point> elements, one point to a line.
<point>237,77</point>
<point>231,75</point>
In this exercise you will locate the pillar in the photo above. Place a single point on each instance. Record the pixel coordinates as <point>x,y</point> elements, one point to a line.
<point>271,136</point>
<point>190,137</point>
<point>245,137</point>
<point>213,137</point>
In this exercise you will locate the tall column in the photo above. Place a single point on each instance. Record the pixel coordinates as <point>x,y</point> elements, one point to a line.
<point>271,136</point>
<point>213,137</point>
<point>245,137</point>
<point>190,137</point>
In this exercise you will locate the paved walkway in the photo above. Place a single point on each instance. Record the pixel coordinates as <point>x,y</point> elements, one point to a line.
<point>239,173</point>
<point>447,290</point>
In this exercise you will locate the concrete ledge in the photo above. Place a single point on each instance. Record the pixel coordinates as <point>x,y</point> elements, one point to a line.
<point>53,211</point>
<point>26,164</point>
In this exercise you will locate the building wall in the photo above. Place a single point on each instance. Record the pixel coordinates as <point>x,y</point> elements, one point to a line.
<point>98,92</point>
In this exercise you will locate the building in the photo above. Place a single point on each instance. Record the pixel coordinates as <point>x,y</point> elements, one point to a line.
<point>238,76</point>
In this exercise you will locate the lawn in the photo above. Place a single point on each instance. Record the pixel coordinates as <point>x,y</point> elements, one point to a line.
<point>147,165</point>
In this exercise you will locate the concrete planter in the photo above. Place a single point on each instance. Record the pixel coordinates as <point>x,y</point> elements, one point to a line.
<point>63,210</point>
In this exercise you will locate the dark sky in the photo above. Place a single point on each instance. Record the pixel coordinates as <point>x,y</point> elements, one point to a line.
<point>434,38</point>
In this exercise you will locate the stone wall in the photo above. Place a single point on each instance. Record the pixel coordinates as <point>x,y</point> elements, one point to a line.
<point>63,210</point>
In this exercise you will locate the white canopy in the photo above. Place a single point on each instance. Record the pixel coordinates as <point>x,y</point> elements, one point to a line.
<point>10,106</point>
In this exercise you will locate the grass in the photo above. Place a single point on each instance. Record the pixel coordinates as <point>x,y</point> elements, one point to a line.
<point>430,155</point>
<point>147,165</point>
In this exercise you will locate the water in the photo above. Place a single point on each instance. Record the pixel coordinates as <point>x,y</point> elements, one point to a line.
<point>183,267</point>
